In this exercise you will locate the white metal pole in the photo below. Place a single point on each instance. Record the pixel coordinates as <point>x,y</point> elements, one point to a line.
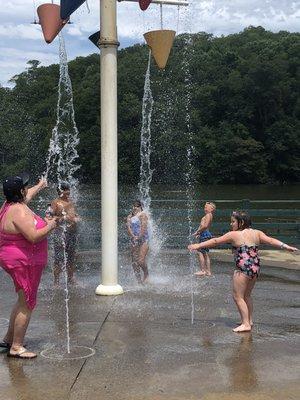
<point>108,44</point>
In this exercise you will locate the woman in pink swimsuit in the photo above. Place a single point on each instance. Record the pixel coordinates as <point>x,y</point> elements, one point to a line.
<point>244,241</point>
<point>23,255</point>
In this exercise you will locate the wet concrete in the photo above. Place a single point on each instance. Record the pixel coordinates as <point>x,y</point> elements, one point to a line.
<point>145,345</point>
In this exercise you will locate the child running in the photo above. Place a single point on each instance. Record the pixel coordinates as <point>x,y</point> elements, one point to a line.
<point>204,234</point>
<point>245,242</point>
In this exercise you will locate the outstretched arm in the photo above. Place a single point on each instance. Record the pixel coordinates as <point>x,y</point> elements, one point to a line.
<point>263,238</point>
<point>227,238</point>
<point>33,191</point>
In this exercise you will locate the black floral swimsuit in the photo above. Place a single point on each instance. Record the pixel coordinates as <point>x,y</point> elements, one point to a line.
<point>247,260</point>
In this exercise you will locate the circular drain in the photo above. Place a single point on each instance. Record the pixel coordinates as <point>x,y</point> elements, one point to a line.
<point>211,324</point>
<point>76,353</point>
<point>3,321</point>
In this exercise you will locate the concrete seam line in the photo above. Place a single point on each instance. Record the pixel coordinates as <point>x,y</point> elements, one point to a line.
<point>84,362</point>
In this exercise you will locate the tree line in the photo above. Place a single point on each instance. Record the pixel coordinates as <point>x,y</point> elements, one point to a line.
<point>232,100</point>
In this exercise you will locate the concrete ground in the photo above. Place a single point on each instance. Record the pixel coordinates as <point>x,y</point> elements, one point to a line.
<point>146,346</point>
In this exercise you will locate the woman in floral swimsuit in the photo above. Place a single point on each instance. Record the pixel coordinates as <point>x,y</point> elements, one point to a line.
<point>244,241</point>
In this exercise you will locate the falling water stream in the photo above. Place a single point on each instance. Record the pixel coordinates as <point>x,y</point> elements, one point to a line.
<point>62,153</point>
<point>62,156</point>
<point>145,148</point>
<point>189,171</point>
<point>156,235</point>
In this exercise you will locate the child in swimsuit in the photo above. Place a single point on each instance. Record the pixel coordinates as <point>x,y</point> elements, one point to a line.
<point>245,241</point>
<point>137,228</point>
<point>204,234</point>
<point>66,235</point>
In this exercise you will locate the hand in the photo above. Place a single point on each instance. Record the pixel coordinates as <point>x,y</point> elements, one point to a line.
<point>192,247</point>
<point>43,183</point>
<point>290,248</point>
<point>51,222</point>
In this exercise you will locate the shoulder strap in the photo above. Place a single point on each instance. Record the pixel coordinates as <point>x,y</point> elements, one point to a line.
<point>242,232</point>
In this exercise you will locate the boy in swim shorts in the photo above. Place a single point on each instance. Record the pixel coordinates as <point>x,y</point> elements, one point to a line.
<point>204,234</point>
<point>65,240</point>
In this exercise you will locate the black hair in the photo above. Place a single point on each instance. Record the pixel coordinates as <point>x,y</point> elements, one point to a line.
<point>138,203</point>
<point>243,219</point>
<point>13,186</point>
<point>16,197</point>
<point>62,187</point>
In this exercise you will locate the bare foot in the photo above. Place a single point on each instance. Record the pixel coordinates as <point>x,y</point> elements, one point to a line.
<point>200,273</point>
<point>242,328</point>
<point>21,352</point>
<point>240,323</point>
<point>208,274</point>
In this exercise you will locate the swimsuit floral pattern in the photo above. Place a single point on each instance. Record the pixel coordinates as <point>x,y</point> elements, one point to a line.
<point>247,260</point>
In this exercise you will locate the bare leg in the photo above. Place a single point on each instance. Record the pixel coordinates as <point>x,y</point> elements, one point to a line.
<point>8,338</point>
<point>144,248</point>
<point>135,263</point>
<point>21,321</point>
<point>240,285</point>
<point>202,265</point>
<point>71,258</point>
<point>248,299</point>
<point>207,264</point>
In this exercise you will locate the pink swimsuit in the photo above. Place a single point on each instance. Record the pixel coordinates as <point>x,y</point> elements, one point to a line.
<point>22,260</point>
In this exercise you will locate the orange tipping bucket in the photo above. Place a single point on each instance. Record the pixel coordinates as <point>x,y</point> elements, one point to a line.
<point>49,16</point>
<point>160,43</point>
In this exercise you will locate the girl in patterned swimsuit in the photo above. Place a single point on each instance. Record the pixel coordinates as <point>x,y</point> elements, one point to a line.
<point>245,241</point>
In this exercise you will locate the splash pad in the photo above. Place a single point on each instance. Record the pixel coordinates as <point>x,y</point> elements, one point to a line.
<point>4,321</point>
<point>75,353</point>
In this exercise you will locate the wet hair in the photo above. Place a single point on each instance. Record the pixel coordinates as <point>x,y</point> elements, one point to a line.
<point>138,203</point>
<point>13,186</point>
<point>243,219</point>
<point>62,187</point>
<point>212,204</point>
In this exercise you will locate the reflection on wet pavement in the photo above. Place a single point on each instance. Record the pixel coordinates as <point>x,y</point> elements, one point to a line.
<point>145,345</point>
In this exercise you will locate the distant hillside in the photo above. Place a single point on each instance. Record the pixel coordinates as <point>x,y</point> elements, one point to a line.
<point>242,93</point>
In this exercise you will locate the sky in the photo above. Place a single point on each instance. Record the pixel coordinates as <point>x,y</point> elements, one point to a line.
<point>21,41</point>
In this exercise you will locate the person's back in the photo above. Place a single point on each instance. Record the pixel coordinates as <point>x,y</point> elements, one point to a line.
<point>247,237</point>
<point>245,249</point>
